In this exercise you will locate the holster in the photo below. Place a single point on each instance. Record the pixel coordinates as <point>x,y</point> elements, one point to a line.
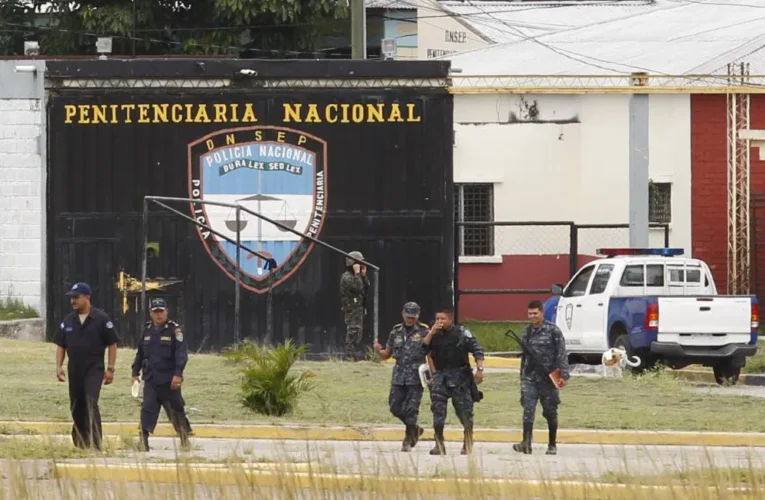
<point>475,394</point>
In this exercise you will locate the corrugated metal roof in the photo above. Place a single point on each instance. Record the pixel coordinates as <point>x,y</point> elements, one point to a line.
<point>501,22</point>
<point>391,4</point>
<point>670,37</point>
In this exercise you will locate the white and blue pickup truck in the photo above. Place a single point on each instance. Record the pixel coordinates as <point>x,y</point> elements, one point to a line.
<point>658,306</point>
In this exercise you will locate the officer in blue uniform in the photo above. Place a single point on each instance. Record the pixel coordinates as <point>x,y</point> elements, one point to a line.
<point>162,354</point>
<point>84,335</point>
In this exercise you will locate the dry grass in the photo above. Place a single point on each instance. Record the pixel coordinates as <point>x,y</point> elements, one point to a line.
<point>238,478</point>
<point>357,393</point>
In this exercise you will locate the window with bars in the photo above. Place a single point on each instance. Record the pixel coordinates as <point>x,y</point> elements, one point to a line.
<point>474,203</point>
<point>660,202</point>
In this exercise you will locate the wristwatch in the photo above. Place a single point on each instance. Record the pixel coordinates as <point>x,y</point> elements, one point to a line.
<point>110,369</point>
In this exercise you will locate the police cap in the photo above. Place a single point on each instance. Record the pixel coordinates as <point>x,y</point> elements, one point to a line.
<point>411,310</point>
<point>158,304</point>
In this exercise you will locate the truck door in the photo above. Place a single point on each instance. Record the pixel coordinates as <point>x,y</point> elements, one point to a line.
<point>594,310</point>
<point>568,317</point>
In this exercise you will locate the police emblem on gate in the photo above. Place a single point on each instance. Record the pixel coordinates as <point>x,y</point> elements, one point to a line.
<point>278,172</point>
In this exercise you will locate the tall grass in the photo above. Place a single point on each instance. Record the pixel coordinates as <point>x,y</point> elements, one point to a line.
<point>385,476</point>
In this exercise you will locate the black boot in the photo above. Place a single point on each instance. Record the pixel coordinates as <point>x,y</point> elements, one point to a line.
<point>525,445</point>
<point>408,438</point>
<point>145,441</point>
<point>416,434</point>
<point>552,426</point>
<point>467,444</point>
<point>440,448</point>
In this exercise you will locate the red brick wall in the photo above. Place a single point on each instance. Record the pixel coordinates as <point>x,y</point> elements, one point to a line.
<point>709,177</point>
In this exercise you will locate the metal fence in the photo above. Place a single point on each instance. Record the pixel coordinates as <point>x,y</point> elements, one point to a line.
<point>243,250</point>
<point>533,254</point>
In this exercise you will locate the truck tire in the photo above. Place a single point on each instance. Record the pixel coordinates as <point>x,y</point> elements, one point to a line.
<point>725,374</point>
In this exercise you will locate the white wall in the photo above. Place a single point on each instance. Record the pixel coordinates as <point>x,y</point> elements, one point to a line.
<point>439,34</point>
<point>22,184</point>
<point>571,165</point>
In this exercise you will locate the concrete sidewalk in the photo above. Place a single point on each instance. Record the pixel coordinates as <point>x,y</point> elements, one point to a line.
<point>337,433</point>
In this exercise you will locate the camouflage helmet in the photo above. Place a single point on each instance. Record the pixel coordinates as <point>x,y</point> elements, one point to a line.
<point>349,262</point>
<point>411,310</point>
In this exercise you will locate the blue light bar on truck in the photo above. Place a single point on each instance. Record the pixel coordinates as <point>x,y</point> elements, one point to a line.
<point>663,252</point>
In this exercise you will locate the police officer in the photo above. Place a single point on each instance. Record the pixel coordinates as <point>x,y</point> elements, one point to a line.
<point>84,335</point>
<point>448,345</point>
<point>546,342</point>
<point>353,296</point>
<point>162,354</point>
<point>405,345</point>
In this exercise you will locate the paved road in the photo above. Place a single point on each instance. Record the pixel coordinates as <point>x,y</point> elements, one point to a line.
<point>382,458</point>
<point>493,459</point>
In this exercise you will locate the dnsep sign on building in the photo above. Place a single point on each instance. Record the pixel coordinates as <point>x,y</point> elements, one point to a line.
<point>349,163</point>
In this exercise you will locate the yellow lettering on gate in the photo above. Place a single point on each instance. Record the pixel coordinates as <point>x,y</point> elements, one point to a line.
<point>70,110</point>
<point>160,113</point>
<point>395,113</point>
<point>220,113</point>
<point>258,135</point>
<point>333,117</point>
<point>240,113</point>
<point>210,144</point>
<point>143,113</point>
<point>302,140</point>
<point>249,114</point>
<point>230,140</point>
<point>99,114</point>
<point>291,112</point>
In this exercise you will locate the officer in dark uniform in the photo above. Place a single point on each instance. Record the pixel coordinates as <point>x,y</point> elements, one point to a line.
<point>448,345</point>
<point>547,343</point>
<point>84,335</point>
<point>405,345</point>
<point>162,354</point>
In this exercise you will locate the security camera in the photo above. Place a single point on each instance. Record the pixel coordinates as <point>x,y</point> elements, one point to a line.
<point>248,72</point>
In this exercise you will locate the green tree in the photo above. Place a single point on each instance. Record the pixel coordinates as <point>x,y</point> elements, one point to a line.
<point>15,24</point>
<point>245,28</point>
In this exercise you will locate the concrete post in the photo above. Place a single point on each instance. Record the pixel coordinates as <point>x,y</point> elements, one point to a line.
<point>638,178</point>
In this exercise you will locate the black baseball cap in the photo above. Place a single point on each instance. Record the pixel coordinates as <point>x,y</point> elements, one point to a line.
<point>80,289</point>
<point>158,304</point>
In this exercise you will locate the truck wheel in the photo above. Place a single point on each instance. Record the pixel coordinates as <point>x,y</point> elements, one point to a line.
<point>725,374</point>
<point>623,342</point>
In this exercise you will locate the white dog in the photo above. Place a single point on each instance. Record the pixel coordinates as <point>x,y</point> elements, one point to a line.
<point>615,360</point>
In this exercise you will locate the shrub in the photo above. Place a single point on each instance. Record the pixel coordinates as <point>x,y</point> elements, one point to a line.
<point>267,386</point>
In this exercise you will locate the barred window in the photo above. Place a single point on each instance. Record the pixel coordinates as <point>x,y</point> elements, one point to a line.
<point>474,203</point>
<point>660,202</point>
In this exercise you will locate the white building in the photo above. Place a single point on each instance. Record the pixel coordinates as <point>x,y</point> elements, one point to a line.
<point>545,155</point>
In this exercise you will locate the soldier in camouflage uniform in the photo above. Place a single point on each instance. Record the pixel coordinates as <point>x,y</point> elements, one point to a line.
<point>405,345</point>
<point>547,342</point>
<point>448,345</point>
<point>353,295</point>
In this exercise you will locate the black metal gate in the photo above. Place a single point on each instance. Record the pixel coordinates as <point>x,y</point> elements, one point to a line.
<point>388,158</point>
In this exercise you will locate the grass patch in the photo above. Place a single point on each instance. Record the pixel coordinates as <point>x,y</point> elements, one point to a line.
<point>756,363</point>
<point>13,308</point>
<point>50,448</point>
<point>491,334</point>
<point>722,477</point>
<point>357,394</point>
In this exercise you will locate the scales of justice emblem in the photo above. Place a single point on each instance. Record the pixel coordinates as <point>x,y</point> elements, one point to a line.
<point>280,175</point>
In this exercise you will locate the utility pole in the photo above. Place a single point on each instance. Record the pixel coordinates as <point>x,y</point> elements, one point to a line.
<point>638,177</point>
<point>358,29</point>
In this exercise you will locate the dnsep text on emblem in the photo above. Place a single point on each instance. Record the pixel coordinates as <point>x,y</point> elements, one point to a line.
<point>274,171</point>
